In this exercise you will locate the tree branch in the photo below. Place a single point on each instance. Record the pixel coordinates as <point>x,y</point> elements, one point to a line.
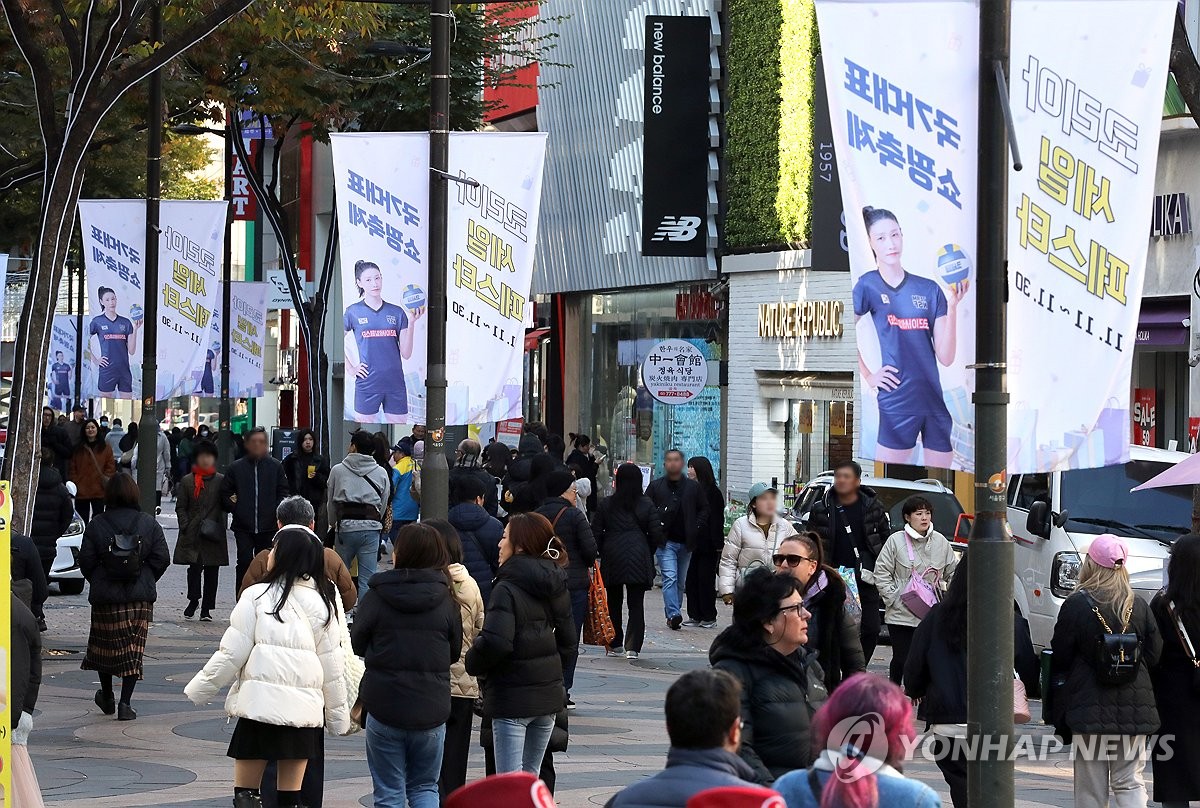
<point>1185,67</point>
<point>39,68</point>
<point>70,36</point>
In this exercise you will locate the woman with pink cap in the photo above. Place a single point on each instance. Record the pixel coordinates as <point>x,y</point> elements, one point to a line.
<point>1105,642</point>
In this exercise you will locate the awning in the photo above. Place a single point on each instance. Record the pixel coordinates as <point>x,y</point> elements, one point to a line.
<point>534,336</point>
<point>1160,322</point>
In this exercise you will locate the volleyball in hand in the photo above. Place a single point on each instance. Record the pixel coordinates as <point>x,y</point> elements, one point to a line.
<point>954,266</point>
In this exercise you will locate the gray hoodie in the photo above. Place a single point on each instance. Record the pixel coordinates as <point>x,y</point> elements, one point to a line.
<point>358,479</point>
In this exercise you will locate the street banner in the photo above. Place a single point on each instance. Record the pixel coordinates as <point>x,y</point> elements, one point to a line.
<point>829,247</point>
<point>190,246</point>
<point>1087,109</point>
<point>383,200</point>
<point>902,80</point>
<point>62,361</point>
<point>675,136</point>
<point>247,336</point>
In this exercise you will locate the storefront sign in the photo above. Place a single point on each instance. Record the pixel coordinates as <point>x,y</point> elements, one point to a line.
<point>1087,106</point>
<point>1172,216</point>
<point>675,371</point>
<point>1193,434</point>
<point>1145,426</point>
<point>905,133</point>
<point>241,195</point>
<point>675,141</point>
<point>696,303</point>
<point>830,249</point>
<point>806,319</point>
<point>804,417</point>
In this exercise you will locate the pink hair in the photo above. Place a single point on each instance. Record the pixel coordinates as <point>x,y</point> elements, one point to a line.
<point>861,695</point>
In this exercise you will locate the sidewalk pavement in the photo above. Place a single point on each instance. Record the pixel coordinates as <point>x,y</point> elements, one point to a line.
<point>174,754</point>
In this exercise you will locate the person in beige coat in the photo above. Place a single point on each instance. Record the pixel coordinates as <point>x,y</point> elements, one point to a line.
<point>464,688</point>
<point>752,539</point>
<point>917,547</point>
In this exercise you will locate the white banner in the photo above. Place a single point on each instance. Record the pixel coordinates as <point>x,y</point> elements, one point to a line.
<point>1087,105</point>
<point>902,79</point>
<point>247,337</point>
<point>114,234</point>
<point>382,192</point>
<point>60,366</point>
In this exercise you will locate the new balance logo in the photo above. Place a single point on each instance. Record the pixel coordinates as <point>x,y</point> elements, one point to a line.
<point>677,228</point>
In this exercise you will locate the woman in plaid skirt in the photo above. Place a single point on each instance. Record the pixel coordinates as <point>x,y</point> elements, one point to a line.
<point>123,555</point>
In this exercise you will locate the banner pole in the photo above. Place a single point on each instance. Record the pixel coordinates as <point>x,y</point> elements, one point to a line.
<point>435,494</point>
<point>148,428</point>
<point>990,601</point>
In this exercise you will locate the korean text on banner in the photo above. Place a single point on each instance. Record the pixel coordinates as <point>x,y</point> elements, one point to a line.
<point>382,183</point>
<point>61,363</point>
<point>191,242</point>
<point>247,336</point>
<point>1087,107</point>
<point>905,133</point>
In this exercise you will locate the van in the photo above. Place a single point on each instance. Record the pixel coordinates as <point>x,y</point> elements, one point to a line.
<point>1055,516</point>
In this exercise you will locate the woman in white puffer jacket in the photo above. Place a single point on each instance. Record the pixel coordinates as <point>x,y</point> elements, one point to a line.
<point>752,539</point>
<point>282,655</point>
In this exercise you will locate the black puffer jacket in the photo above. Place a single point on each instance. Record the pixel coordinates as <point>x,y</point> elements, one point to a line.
<point>1092,707</point>
<point>713,540</point>
<point>295,470</point>
<point>627,540</point>
<point>686,501</point>
<point>104,589</point>
<point>469,467</point>
<point>823,519</point>
<point>53,511</point>
<point>480,535</point>
<point>936,672</point>
<point>778,702</point>
<point>832,633</point>
<point>528,638</point>
<point>409,631</point>
<point>251,491</point>
<point>573,528</point>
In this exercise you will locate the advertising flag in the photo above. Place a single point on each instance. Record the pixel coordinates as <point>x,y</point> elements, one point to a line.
<point>61,364</point>
<point>191,242</point>
<point>247,335</point>
<point>382,205</point>
<point>1086,89</point>
<point>902,80</point>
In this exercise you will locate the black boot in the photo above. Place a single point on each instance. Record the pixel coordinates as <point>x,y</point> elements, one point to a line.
<point>247,799</point>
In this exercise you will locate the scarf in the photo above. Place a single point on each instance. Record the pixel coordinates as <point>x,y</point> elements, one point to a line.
<point>816,587</point>
<point>916,534</point>
<point>200,475</point>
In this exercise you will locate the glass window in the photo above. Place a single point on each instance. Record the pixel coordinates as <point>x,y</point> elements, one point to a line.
<point>1033,487</point>
<point>1100,501</point>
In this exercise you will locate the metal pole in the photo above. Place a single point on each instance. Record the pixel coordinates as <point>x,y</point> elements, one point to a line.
<point>435,494</point>
<point>79,298</point>
<point>990,603</point>
<point>148,428</point>
<point>224,436</point>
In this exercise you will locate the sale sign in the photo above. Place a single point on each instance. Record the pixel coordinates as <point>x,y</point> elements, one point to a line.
<point>1145,428</point>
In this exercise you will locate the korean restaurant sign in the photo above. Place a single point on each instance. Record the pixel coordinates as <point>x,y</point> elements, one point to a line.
<point>674,371</point>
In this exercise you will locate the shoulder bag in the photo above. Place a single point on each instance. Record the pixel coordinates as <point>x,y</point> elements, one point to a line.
<point>598,628</point>
<point>920,595</point>
<point>1021,712</point>
<point>1118,654</point>
<point>104,478</point>
<point>1186,641</point>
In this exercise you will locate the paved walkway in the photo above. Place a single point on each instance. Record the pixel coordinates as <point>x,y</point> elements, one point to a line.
<point>174,754</point>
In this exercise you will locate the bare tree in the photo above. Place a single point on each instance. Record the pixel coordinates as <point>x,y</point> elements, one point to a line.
<point>108,53</point>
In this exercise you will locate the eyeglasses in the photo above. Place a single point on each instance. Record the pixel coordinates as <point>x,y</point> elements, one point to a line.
<point>798,608</point>
<point>790,560</point>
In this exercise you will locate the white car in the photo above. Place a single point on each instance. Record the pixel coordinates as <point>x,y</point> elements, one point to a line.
<point>65,568</point>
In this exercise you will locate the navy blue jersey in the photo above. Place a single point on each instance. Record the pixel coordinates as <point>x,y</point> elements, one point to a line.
<point>62,373</point>
<point>904,317</point>
<point>114,342</point>
<point>377,334</point>
<point>206,379</point>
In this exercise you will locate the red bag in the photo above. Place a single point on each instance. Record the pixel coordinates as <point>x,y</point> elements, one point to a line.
<point>598,626</point>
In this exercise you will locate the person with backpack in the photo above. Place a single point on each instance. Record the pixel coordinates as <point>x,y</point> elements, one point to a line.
<point>1105,643</point>
<point>123,554</point>
<point>358,495</point>
<point>479,532</point>
<point>405,504</point>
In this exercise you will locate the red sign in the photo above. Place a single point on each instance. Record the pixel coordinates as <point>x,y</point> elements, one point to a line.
<point>1193,435</point>
<point>517,75</point>
<point>241,195</point>
<point>1145,431</point>
<point>695,303</point>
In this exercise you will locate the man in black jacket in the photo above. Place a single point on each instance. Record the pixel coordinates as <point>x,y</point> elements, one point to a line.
<point>252,489</point>
<point>467,465</point>
<point>853,525</point>
<point>572,527</point>
<point>683,509</point>
<point>53,510</point>
<point>56,446</point>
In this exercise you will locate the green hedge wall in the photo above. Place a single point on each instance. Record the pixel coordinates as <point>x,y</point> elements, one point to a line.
<point>771,47</point>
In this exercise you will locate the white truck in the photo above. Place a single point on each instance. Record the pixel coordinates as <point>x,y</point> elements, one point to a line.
<point>1055,516</point>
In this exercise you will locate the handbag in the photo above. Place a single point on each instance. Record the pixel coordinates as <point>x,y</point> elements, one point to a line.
<point>853,604</point>
<point>598,626</point>
<point>1021,712</point>
<point>1186,641</point>
<point>1118,654</point>
<point>212,530</point>
<point>104,478</point>
<point>920,595</point>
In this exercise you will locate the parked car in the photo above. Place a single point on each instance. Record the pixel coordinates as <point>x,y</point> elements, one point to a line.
<point>1055,516</point>
<point>65,568</point>
<point>947,510</point>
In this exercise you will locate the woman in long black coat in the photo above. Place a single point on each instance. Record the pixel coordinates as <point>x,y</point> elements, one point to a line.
<point>1177,679</point>
<point>627,532</point>
<point>203,546</point>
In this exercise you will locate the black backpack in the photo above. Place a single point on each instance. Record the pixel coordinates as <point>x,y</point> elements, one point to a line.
<point>122,558</point>
<point>1118,653</point>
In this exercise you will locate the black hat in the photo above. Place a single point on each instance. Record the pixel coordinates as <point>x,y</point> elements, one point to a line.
<point>557,482</point>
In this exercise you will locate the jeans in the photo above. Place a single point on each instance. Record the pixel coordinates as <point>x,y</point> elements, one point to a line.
<point>673,562</point>
<point>404,763</point>
<point>205,594</point>
<point>363,545</point>
<point>579,607</point>
<point>248,546</point>
<point>701,586</point>
<point>521,742</point>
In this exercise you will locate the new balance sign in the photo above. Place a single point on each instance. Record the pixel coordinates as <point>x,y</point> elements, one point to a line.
<point>675,145</point>
<point>678,228</point>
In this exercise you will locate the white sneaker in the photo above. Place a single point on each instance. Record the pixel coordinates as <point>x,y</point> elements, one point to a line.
<point>631,654</point>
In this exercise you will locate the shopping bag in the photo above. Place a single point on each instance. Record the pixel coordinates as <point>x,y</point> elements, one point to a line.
<point>853,604</point>
<point>1113,423</point>
<point>1088,448</point>
<point>597,624</point>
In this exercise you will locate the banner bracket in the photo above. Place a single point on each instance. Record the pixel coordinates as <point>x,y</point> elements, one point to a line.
<point>454,177</point>
<point>1010,130</point>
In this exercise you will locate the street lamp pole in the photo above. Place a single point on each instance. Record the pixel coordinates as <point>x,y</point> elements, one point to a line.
<point>148,427</point>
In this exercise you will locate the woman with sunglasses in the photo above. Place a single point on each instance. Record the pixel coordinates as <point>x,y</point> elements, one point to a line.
<point>781,681</point>
<point>832,630</point>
